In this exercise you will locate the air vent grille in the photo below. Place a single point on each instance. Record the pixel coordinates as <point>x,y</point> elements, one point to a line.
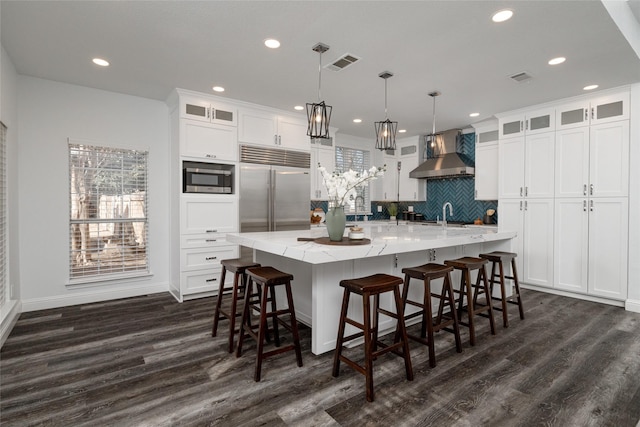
<point>521,77</point>
<point>343,62</point>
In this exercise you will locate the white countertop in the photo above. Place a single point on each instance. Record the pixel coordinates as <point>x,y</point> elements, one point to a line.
<point>386,239</point>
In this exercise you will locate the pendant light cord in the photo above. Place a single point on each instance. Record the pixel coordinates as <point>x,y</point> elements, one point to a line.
<point>319,77</point>
<point>386,116</point>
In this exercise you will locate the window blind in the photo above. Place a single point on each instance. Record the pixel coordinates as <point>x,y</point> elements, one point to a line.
<point>359,161</point>
<point>4,291</point>
<point>108,221</point>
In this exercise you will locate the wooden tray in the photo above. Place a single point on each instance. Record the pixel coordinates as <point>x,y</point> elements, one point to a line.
<point>344,242</point>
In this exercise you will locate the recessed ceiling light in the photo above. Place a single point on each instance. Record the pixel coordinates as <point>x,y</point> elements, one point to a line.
<point>558,60</point>
<point>590,87</point>
<point>402,131</point>
<point>357,120</point>
<point>101,62</point>
<point>474,114</point>
<point>298,107</point>
<point>502,15</point>
<point>218,89</point>
<point>272,43</point>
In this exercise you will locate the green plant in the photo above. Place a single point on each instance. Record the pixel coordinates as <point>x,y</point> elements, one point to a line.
<point>392,209</point>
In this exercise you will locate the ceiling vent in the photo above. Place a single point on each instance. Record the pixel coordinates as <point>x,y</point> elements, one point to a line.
<point>521,77</point>
<point>343,62</point>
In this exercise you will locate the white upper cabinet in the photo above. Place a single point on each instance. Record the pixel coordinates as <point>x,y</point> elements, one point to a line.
<point>527,123</point>
<point>486,168</point>
<point>511,174</point>
<point>603,109</point>
<point>609,160</point>
<point>270,129</point>
<point>572,162</point>
<point>411,189</point>
<point>386,187</point>
<point>208,141</point>
<point>323,152</point>
<point>206,111</point>
<point>539,165</point>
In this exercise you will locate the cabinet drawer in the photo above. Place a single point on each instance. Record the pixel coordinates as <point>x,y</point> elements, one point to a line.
<point>192,282</point>
<point>203,240</point>
<point>204,258</point>
<point>208,214</point>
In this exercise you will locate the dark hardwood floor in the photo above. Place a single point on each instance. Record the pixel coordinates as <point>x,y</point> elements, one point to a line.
<point>150,361</point>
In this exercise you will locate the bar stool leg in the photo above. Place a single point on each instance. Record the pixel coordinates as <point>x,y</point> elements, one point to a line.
<point>340,339</point>
<point>448,288</point>
<point>505,315</point>
<point>246,316</point>
<point>514,273</point>
<point>274,317</point>
<point>492,322</point>
<point>368,359</point>
<point>294,325</point>
<point>403,333</point>
<point>216,315</point>
<point>261,331</point>
<point>466,277</point>
<point>427,320</point>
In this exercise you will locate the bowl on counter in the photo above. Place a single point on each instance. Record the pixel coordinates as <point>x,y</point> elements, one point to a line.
<point>356,233</point>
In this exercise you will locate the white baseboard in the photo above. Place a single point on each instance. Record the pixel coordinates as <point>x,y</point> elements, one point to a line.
<point>632,305</point>
<point>12,311</point>
<point>94,295</point>
<point>573,295</point>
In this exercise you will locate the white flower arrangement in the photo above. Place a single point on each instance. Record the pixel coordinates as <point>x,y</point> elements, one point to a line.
<point>342,186</point>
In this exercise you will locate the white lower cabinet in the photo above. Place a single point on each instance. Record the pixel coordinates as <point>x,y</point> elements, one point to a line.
<point>532,219</point>
<point>591,237</point>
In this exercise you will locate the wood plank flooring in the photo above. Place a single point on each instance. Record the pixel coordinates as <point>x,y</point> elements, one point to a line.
<point>150,361</point>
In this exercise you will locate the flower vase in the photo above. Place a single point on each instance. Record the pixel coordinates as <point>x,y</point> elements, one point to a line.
<point>336,222</point>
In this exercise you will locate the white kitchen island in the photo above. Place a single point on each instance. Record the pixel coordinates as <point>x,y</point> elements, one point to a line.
<point>318,268</point>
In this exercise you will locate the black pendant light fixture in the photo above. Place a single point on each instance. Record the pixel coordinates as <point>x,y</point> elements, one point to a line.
<point>386,130</point>
<point>319,114</point>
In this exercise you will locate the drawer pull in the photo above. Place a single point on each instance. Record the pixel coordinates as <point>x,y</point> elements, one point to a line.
<point>209,258</point>
<point>211,240</point>
<point>211,280</point>
<point>212,231</point>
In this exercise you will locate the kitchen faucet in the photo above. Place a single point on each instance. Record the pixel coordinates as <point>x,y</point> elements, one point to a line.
<point>444,213</point>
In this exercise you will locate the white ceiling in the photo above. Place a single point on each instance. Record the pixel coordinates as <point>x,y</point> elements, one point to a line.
<point>450,46</point>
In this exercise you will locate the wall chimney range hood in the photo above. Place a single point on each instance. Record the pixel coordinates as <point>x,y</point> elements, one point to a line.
<point>445,162</point>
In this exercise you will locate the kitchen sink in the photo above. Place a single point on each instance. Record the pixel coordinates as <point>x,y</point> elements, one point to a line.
<point>452,224</point>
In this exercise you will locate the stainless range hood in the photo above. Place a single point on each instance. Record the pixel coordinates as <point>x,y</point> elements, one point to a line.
<point>447,162</point>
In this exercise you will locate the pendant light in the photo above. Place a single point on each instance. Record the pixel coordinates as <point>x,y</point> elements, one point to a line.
<point>319,114</point>
<point>435,139</point>
<point>386,130</point>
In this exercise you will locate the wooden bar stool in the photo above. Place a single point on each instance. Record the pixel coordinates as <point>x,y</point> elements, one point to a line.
<point>427,273</point>
<point>267,278</point>
<point>367,287</point>
<point>498,259</point>
<point>466,265</point>
<point>238,267</point>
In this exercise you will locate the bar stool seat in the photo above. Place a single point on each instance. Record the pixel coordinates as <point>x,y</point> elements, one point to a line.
<point>238,267</point>
<point>427,273</point>
<point>367,287</point>
<point>267,278</point>
<point>498,259</point>
<point>471,290</point>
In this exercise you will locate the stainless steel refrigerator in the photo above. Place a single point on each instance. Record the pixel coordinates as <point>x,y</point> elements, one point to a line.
<point>275,188</point>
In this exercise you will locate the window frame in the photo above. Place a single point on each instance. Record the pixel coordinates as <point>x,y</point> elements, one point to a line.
<point>347,158</point>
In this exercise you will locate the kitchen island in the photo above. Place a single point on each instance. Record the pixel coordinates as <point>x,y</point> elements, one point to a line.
<point>318,268</point>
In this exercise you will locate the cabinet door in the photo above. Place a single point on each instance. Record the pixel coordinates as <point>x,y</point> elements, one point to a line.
<point>386,187</point>
<point>540,121</point>
<point>571,243</point>
<point>209,141</point>
<point>511,171</point>
<point>205,258</point>
<point>292,133</point>
<point>195,109</point>
<point>572,115</point>
<point>411,189</point>
<point>539,165</point>
<point>327,158</point>
<point>610,108</point>
<point>538,242</point>
<point>208,214</point>
<point>257,127</point>
<point>511,219</point>
<point>609,160</point>
<point>608,240</point>
<point>511,126</point>
<point>572,162</point>
<point>486,179</point>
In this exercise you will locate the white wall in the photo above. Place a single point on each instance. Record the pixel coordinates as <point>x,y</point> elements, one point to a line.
<point>51,112</point>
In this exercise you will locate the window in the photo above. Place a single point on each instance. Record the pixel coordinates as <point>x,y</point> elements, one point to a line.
<point>108,213</point>
<point>4,288</point>
<point>359,161</point>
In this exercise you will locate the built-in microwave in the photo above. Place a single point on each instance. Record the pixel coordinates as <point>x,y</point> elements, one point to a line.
<point>212,178</point>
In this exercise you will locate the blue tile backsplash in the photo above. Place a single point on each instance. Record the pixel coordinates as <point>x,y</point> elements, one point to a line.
<point>459,191</point>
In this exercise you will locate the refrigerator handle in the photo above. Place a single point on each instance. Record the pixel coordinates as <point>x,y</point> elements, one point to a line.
<point>271,201</point>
